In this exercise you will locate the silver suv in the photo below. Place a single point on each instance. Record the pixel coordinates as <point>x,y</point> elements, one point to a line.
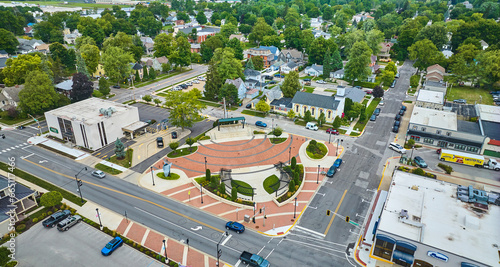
<point>67,223</point>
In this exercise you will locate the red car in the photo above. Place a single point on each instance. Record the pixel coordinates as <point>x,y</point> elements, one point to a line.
<point>332,131</point>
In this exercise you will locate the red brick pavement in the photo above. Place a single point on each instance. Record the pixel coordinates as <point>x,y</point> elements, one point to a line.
<point>136,232</point>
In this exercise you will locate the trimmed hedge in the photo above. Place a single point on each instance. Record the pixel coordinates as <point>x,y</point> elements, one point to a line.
<point>447,168</point>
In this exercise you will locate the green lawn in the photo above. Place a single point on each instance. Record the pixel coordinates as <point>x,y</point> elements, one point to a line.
<point>254,113</point>
<point>309,89</point>
<point>271,180</point>
<point>471,94</point>
<point>182,152</point>
<point>10,121</point>
<point>277,140</point>
<point>316,152</point>
<point>125,162</point>
<point>107,169</point>
<point>242,187</point>
<point>173,176</point>
<point>365,101</point>
<point>369,111</point>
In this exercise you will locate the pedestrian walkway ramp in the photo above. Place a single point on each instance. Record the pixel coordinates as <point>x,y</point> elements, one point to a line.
<point>230,131</point>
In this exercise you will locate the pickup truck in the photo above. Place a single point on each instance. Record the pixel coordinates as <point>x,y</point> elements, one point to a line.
<point>253,260</point>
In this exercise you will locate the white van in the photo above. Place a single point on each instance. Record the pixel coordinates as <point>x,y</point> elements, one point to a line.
<point>312,126</point>
<point>397,147</point>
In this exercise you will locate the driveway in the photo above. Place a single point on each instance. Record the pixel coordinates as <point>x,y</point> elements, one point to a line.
<point>80,246</point>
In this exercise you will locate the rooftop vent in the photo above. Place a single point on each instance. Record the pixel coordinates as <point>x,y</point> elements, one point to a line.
<point>403,214</point>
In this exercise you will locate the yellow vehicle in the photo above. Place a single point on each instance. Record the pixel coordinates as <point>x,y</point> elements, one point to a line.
<point>461,157</point>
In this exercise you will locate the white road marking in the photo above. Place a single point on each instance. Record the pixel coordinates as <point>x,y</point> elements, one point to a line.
<point>225,240</point>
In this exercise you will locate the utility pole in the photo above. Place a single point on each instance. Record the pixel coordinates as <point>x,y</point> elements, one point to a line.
<point>225,110</point>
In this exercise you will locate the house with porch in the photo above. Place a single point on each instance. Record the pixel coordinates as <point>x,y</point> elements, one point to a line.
<point>314,70</point>
<point>317,104</point>
<point>15,200</point>
<point>11,96</point>
<point>384,54</point>
<point>252,78</point>
<point>288,67</point>
<point>291,55</point>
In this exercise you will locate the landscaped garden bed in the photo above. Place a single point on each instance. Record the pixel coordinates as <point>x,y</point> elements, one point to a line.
<point>173,176</point>
<point>182,152</point>
<point>107,169</point>
<point>316,150</point>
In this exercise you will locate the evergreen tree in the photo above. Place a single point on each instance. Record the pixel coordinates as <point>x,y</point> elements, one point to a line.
<point>214,82</point>
<point>119,149</point>
<point>250,64</point>
<point>145,73</point>
<point>152,74</point>
<point>137,77</point>
<point>362,115</point>
<point>307,116</point>
<point>327,64</point>
<point>336,122</point>
<point>81,67</point>
<point>337,61</point>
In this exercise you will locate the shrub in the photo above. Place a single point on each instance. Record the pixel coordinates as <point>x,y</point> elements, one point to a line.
<point>44,215</point>
<point>97,94</point>
<point>11,264</point>
<point>447,168</point>
<point>51,199</point>
<point>40,218</point>
<point>291,186</point>
<point>134,245</point>
<point>296,178</point>
<point>49,213</point>
<point>234,193</point>
<point>35,220</point>
<point>222,188</point>
<point>293,163</point>
<point>21,227</point>
<point>418,171</point>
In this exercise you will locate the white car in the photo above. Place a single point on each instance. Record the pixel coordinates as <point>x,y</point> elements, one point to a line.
<point>189,84</point>
<point>99,174</point>
<point>196,81</point>
<point>320,82</point>
<point>201,78</point>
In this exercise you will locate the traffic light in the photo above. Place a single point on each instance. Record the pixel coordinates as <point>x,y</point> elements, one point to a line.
<point>347,218</point>
<point>327,212</point>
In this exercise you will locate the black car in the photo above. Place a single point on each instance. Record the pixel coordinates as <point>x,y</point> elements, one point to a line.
<point>174,135</point>
<point>20,127</point>
<point>184,86</point>
<point>402,112</point>
<point>395,129</point>
<point>116,86</point>
<point>56,218</point>
<point>249,105</point>
<point>398,117</point>
<point>397,123</point>
<point>267,77</point>
<point>377,111</point>
<point>272,82</point>
<point>403,108</point>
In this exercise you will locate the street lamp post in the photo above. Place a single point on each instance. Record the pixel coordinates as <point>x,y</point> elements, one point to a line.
<point>411,157</point>
<point>338,140</point>
<point>289,154</point>
<point>99,216</point>
<point>79,183</point>
<point>205,163</point>
<point>219,251</point>
<point>152,175</point>
<point>165,246</point>
<point>329,137</point>
<point>272,124</point>
<point>295,208</point>
<point>317,180</point>
<point>201,192</point>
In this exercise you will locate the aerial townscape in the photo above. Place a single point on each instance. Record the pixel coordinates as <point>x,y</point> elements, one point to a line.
<point>290,133</point>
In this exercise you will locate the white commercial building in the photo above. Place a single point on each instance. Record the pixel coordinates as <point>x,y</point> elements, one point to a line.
<point>423,223</point>
<point>430,99</point>
<point>94,122</point>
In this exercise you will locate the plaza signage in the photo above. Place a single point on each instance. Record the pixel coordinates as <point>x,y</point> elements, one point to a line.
<point>437,255</point>
<point>54,130</point>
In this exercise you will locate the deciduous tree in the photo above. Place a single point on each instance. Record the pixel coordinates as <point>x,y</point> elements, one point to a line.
<point>50,199</point>
<point>228,66</point>
<point>230,92</point>
<point>378,91</point>
<point>8,41</point>
<point>184,106</point>
<point>291,84</point>
<point>214,82</point>
<point>103,86</point>
<point>262,106</point>
<point>82,87</point>
<point>90,54</point>
<point>116,63</point>
<point>259,30</point>
<point>426,54</point>
<point>258,63</point>
<point>18,68</point>
<point>359,59</point>
<point>38,94</point>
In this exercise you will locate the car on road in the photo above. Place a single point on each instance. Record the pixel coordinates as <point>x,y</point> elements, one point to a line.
<point>116,86</point>
<point>321,82</point>
<point>401,112</point>
<point>397,123</point>
<point>398,117</point>
<point>395,129</point>
<point>373,117</point>
<point>332,131</point>
<point>331,171</point>
<point>20,127</point>
<point>260,124</point>
<point>377,111</point>
<point>279,75</point>
<point>420,162</point>
<point>55,218</point>
<point>312,126</point>
<point>359,87</point>
<point>99,174</point>
<point>235,226</point>
<point>149,122</point>
<point>397,147</point>
<point>460,101</point>
<point>381,103</point>
<point>69,222</point>
<point>307,80</point>
<point>159,141</point>
<point>268,77</point>
<point>174,135</point>
<point>249,105</point>
<point>393,84</point>
<point>112,246</point>
<point>337,163</point>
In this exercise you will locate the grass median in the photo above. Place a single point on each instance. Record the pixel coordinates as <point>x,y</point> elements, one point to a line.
<point>360,125</point>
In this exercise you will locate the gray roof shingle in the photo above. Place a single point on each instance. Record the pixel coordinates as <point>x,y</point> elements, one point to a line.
<point>315,100</point>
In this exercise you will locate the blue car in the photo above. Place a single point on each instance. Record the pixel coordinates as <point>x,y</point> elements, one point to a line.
<point>337,163</point>
<point>331,171</point>
<point>235,226</point>
<point>261,124</point>
<point>279,75</point>
<point>112,246</point>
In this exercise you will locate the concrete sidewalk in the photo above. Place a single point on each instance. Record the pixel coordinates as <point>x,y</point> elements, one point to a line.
<point>78,154</point>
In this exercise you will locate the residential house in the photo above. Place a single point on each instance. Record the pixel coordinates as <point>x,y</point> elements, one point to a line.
<point>269,95</point>
<point>4,102</point>
<point>281,105</point>
<point>28,31</point>
<point>43,48</point>
<point>12,95</point>
<point>71,38</point>
<point>363,16</point>
<point>252,92</point>
<point>323,34</point>
<point>4,54</point>
<point>484,44</point>
<point>447,53</point>
<point>314,70</point>
<point>294,55</point>
<point>384,54</point>
<point>201,33</point>
<point>430,99</point>
<point>28,46</point>
<point>269,54</point>
<point>148,44</point>
<point>158,63</point>
<point>179,22</point>
<point>316,23</point>
<point>136,67</point>
<point>252,78</point>
<point>3,59</point>
<point>277,65</point>
<point>240,37</point>
<point>317,104</point>
<point>240,85</point>
<point>169,20</point>
<point>290,66</point>
<point>339,74</point>
<point>468,5</point>
<point>66,31</point>
<point>195,47</point>
<point>355,94</point>
<point>65,88</point>
<point>15,200</point>
<point>148,62</point>
<point>99,71</point>
<point>373,60</point>
<point>435,73</point>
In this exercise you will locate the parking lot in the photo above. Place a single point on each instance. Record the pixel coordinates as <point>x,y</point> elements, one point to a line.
<point>79,246</point>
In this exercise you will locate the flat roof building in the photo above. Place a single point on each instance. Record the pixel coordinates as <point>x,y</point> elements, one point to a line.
<point>423,223</point>
<point>94,122</point>
<point>430,99</point>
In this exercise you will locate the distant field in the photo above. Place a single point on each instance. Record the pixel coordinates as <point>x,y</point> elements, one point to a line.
<point>471,94</point>
<point>69,4</point>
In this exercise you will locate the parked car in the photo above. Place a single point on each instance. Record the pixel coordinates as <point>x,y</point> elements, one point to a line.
<point>307,80</point>
<point>393,84</point>
<point>332,131</point>
<point>401,112</point>
<point>56,218</point>
<point>272,82</point>
<point>369,92</point>
<point>116,86</point>
<point>235,226</point>
<point>184,86</point>
<point>397,123</point>
<point>397,75</point>
<point>460,101</point>
<point>149,122</point>
<point>69,222</point>
<point>201,78</point>
<point>268,70</point>
<point>337,163</point>
<point>398,117</point>
<point>376,112</point>
<point>249,105</point>
<point>279,75</point>
<point>195,81</point>
<point>395,129</point>
<point>381,103</point>
<point>397,147</point>
<point>99,174</point>
<point>420,162</point>
<point>312,126</point>
<point>331,171</point>
<point>189,84</point>
<point>159,141</point>
<point>260,124</point>
<point>495,92</point>
<point>174,135</point>
<point>268,77</point>
<point>359,87</point>
<point>403,107</point>
<point>373,117</point>
<point>112,246</point>
<point>321,82</point>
